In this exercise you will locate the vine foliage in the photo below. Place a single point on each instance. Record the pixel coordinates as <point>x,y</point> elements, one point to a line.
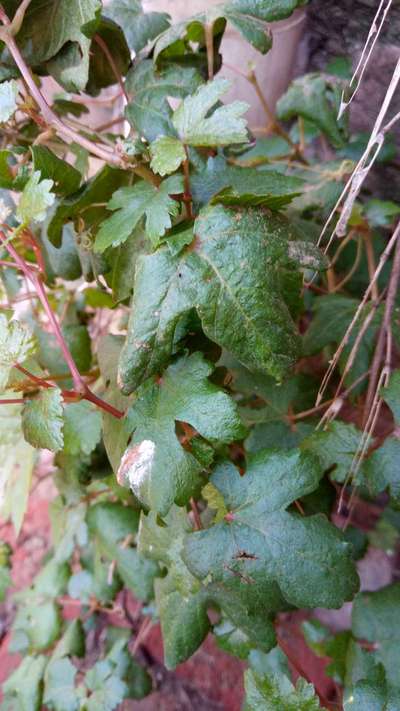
<point>167,315</point>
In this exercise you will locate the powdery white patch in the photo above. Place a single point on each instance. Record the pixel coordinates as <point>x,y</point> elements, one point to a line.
<point>136,465</point>
<point>5,211</point>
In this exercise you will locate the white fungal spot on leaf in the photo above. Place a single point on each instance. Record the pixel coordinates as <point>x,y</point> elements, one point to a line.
<point>135,466</point>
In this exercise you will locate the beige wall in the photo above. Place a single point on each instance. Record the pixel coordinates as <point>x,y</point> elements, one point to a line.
<point>273,70</point>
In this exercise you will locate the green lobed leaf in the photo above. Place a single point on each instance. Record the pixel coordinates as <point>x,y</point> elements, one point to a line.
<point>72,642</point>
<point>167,154</point>
<point>236,253</point>
<point>149,111</point>
<point>5,567</point>
<point>38,622</point>
<point>267,10</point>
<point>373,619</point>
<point>124,260</point>
<point>65,178</point>
<point>101,73</point>
<point>23,687</point>
<point>8,99</point>
<point>16,344</point>
<point>78,438</point>
<point>155,465</point>
<point>372,693</point>
<point>114,527</point>
<point>391,395</point>
<point>225,125</point>
<point>273,690</point>
<point>246,16</point>
<point>251,27</point>
<point>331,318</point>
<point>59,691</point>
<point>308,96</point>
<point>58,29</point>
<point>139,27</point>
<point>381,213</point>
<point>61,261</point>
<point>335,446</point>
<point>107,691</point>
<point>42,420</point>
<point>135,202</point>
<point>50,356</point>
<point>264,547</point>
<point>82,207</point>
<point>35,199</point>
<point>17,461</point>
<point>180,600</point>
<point>382,470</point>
<point>183,601</point>
<point>229,185</point>
<point>115,431</point>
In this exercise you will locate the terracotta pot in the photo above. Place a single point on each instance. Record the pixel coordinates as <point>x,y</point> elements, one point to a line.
<point>273,71</point>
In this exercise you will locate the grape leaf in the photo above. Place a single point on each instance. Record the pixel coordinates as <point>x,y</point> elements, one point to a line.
<point>381,213</point>
<point>272,689</point>
<point>101,73</point>
<point>82,207</point>
<point>106,689</point>
<point>254,30</point>
<point>16,344</point>
<point>264,547</point>
<point>115,431</point>
<point>113,525</point>
<point>42,420</point>
<point>382,470</point>
<point>309,96</point>
<point>332,315</point>
<point>269,11</point>
<point>38,621</point>
<point>23,687</point>
<point>155,465</point>
<point>65,178</point>
<point>5,567</point>
<point>61,261</point>
<point>58,31</point>
<point>230,185</point>
<point>135,202</point>
<point>236,253</point>
<point>167,154</point>
<point>183,602</point>
<point>79,439</point>
<point>180,599</point>
<point>50,356</point>
<point>35,199</point>
<point>336,447</point>
<point>59,690</point>
<point>149,111</point>
<point>180,590</point>
<point>391,395</point>
<point>8,99</point>
<point>139,27</point>
<point>225,125</point>
<point>17,461</point>
<point>246,16</point>
<point>373,618</point>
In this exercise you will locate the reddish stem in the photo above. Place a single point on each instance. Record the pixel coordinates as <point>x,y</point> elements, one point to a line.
<point>91,397</point>
<point>39,381</point>
<point>99,40</point>
<point>80,386</point>
<point>196,515</point>
<point>12,401</point>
